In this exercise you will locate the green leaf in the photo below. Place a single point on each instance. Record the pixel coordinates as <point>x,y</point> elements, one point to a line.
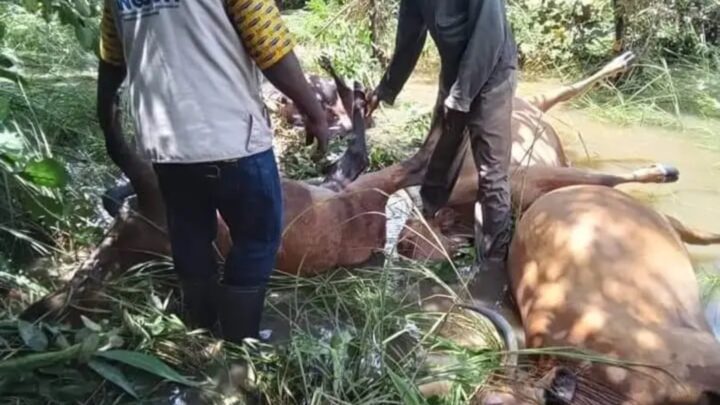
<point>90,324</point>
<point>10,143</point>
<point>82,7</point>
<point>46,172</point>
<point>408,392</point>
<point>32,336</point>
<point>61,341</point>
<point>12,74</point>
<point>33,361</point>
<point>4,109</point>
<point>148,364</point>
<point>112,374</point>
<point>85,36</point>
<point>3,30</point>
<point>89,346</point>
<point>31,5</point>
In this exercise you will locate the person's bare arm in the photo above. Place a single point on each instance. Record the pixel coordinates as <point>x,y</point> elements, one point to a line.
<point>287,76</point>
<point>270,44</point>
<point>110,77</point>
<point>111,74</point>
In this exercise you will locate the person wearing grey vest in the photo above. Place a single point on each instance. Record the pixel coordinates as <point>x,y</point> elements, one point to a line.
<point>193,73</point>
<point>476,88</point>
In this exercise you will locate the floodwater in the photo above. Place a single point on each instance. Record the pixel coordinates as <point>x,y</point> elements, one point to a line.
<point>590,142</point>
<point>694,199</point>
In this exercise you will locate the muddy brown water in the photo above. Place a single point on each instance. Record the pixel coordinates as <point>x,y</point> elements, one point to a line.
<point>597,144</point>
<point>593,143</point>
<point>695,198</point>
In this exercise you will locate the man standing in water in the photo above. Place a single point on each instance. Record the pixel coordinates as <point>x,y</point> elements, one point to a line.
<point>193,75</point>
<point>477,85</point>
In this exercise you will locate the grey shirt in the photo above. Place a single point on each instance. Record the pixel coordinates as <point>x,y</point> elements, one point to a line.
<point>473,37</point>
<point>194,88</point>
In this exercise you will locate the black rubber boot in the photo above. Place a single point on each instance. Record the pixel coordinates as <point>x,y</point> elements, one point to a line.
<point>240,312</point>
<point>491,282</point>
<point>199,308</point>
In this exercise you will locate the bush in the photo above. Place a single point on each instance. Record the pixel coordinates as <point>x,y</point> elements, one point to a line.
<point>561,32</point>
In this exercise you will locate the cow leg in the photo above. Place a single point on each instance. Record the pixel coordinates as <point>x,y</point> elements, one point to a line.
<point>529,183</point>
<point>355,159</point>
<point>693,236</point>
<point>545,102</point>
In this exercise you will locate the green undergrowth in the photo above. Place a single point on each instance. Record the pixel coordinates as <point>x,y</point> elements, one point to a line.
<point>709,282</point>
<point>51,114</point>
<point>389,142</point>
<point>352,337</point>
<point>342,30</point>
<point>684,96</point>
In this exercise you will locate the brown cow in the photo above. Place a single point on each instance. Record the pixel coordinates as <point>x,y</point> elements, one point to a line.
<point>433,240</point>
<point>337,223</point>
<point>539,164</point>
<point>593,269</point>
<point>321,222</point>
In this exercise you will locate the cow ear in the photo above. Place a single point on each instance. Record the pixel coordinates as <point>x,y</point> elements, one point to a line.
<point>562,388</point>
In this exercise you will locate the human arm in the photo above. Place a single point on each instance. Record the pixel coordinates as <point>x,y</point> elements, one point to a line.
<point>111,74</point>
<point>270,44</point>
<point>409,43</point>
<point>287,76</point>
<point>482,53</point>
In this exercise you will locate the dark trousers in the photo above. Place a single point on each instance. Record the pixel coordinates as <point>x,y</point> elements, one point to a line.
<point>488,128</point>
<point>248,194</point>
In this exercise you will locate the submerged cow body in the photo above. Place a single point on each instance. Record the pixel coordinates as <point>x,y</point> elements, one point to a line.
<point>593,269</point>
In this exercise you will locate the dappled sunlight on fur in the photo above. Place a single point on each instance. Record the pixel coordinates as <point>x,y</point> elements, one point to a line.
<point>649,311</point>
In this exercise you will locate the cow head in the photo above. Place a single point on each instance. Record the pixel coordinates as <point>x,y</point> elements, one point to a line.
<point>557,387</point>
<point>427,240</point>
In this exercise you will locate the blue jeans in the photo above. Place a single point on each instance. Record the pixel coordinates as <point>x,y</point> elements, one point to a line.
<point>248,194</point>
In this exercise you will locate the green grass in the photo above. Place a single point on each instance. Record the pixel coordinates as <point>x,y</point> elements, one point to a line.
<point>683,97</point>
<point>52,112</point>
<point>354,337</point>
<point>709,283</point>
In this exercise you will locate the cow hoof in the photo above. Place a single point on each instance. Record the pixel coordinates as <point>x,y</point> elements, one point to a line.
<point>670,173</point>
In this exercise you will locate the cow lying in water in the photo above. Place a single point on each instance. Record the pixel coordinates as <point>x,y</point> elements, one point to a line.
<point>338,223</point>
<point>539,164</point>
<point>591,268</point>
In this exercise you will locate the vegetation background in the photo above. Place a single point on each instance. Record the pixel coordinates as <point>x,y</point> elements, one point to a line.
<point>53,168</point>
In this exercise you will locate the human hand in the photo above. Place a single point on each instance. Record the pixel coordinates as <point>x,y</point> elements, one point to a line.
<point>372,101</point>
<point>317,128</point>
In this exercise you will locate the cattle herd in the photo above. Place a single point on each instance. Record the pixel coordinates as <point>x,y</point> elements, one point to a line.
<point>591,268</point>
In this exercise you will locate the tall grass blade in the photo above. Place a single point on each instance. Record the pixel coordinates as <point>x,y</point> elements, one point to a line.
<point>148,364</point>
<point>112,374</point>
<point>32,336</point>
